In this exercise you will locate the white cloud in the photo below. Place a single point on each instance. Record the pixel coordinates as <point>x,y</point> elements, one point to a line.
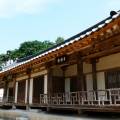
<point>10,8</point>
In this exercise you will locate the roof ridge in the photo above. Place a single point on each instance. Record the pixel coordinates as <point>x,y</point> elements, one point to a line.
<point>70,40</point>
<point>67,40</point>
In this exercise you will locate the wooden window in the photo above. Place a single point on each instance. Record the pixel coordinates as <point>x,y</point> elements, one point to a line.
<point>73,84</point>
<point>58,84</point>
<point>113,79</point>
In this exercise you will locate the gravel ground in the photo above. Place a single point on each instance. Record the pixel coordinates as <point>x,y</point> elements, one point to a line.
<point>39,115</point>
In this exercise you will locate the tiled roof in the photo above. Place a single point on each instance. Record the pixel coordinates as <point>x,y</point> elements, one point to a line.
<point>77,37</point>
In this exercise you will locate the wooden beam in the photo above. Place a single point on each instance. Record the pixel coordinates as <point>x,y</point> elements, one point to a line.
<point>103,45</point>
<point>71,48</point>
<point>103,53</point>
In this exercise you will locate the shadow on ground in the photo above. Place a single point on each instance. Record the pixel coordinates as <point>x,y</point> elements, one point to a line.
<point>87,115</point>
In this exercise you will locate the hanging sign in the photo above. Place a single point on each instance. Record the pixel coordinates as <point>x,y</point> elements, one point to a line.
<point>61,59</point>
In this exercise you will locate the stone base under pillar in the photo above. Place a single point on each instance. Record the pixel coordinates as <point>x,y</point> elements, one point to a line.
<point>27,107</point>
<point>13,107</point>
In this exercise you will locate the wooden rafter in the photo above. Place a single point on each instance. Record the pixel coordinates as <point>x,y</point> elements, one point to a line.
<point>87,44</point>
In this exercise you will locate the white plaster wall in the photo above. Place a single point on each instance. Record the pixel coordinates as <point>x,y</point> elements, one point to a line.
<point>67,85</point>
<point>89,82</point>
<point>33,75</point>
<point>89,85</point>
<point>67,88</point>
<point>87,68</point>
<point>57,71</point>
<point>39,73</point>
<point>10,84</point>
<point>108,62</point>
<point>22,78</point>
<point>101,85</point>
<point>100,81</point>
<point>71,71</point>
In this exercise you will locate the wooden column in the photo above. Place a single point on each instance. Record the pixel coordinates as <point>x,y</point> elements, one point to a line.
<point>28,71</point>
<point>5,90</point>
<point>49,77</point>
<point>26,91</point>
<point>14,86</point>
<point>28,88</point>
<point>80,75</point>
<point>31,91</point>
<point>16,91</point>
<point>94,75</point>
<point>45,84</point>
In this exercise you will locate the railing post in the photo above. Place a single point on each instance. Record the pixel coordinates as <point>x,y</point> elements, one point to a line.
<point>79,98</point>
<point>105,97</point>
<point>82,97</point>
<point>110,99</point>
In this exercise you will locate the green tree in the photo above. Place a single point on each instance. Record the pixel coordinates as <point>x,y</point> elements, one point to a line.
<point>32,47</point>
<point>47,44</point>
<point>28,48</point>
<point>8,54</point>
<point>14,54</point>
<point>3,59</point>
<point>59,40</point>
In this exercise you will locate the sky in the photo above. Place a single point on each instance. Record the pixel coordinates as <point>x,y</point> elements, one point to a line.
<point>25,20</point>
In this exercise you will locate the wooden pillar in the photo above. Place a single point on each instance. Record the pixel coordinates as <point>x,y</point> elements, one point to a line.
<point>49,77</point>
<point>14,85</point>
<point>31,91</point>
<point>67,85</point>
<point>45,83</point>
<point>28,71</point>
<point>94,75</point>
<point>26,91</point>
<point>5,90</point>
<point>16,91</point>
<point>80,75</point>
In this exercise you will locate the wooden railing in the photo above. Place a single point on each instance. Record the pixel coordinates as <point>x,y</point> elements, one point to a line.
<point>4,100</point>
<point>98,97</point>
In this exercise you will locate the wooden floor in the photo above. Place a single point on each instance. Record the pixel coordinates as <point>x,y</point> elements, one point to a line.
<point>100,100</point>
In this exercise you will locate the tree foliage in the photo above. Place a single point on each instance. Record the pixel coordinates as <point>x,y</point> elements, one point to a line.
<point>27,48</point>
<point>59,40</point>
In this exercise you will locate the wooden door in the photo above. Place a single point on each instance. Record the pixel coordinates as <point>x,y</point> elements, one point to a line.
<point>10,95</point>
<point>58,84</point>
<point>73,84</point>
<point>38,88</point>
<point>10,92</point>
<point>21,91</point>
<point>113,79</point>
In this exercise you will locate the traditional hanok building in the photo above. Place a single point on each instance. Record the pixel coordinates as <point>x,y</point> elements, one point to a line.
<point>82,73</point>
